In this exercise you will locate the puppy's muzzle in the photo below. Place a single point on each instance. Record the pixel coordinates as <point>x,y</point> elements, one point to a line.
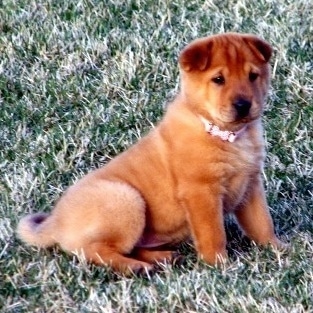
<point>242,107</point>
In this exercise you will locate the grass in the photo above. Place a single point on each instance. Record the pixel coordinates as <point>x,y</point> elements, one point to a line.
<point>80,81</point>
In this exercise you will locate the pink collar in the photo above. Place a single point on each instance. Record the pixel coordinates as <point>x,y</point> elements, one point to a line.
<point>225,135</point>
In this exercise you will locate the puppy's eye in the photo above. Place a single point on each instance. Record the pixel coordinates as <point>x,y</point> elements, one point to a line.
<point>253,76</point>
<point>219,80</point>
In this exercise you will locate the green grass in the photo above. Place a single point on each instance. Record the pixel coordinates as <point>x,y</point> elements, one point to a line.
<point>82,80</point>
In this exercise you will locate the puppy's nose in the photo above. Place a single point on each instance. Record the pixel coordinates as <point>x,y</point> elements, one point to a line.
<point>242,107</point>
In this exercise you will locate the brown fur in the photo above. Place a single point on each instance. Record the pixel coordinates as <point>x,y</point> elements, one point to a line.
<point>178,181</point>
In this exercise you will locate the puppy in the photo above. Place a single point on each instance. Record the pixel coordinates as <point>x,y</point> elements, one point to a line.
<point>204,159</point>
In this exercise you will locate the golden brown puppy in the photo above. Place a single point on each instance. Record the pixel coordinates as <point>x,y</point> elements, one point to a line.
<point>203,160</point>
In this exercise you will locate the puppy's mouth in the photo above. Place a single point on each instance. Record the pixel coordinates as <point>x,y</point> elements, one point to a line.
<point>234,122</point>
<point>244,120</point>
<point>239,117</point>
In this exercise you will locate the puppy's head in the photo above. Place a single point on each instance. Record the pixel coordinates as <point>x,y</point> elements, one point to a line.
<point>225,78</point>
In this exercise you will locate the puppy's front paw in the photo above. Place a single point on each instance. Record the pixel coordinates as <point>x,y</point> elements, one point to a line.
<point>215,258</point>
<point>279,245</point>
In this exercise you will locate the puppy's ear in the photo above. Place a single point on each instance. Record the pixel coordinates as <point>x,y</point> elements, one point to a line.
<point>196,56</point>
<point>260,47</point>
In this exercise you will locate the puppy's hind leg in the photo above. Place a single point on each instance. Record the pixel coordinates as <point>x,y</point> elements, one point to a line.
<point>155,255</point>
<point>101,254</point>
<point>107,220</point>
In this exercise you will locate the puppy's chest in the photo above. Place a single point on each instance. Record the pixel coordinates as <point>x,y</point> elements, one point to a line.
<point>234,191</point>
<point>239,174</point>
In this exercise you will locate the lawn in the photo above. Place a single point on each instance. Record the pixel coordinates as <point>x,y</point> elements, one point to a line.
<point>80,81</point>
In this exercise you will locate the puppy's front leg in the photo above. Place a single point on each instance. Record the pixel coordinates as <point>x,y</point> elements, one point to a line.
<point>205,217</point>
<point>254,218</point>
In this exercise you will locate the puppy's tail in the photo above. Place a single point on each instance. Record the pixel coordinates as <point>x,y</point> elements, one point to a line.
<point>37,230</point>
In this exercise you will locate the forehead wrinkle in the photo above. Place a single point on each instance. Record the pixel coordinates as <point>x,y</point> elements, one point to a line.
<point>229,56</point>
